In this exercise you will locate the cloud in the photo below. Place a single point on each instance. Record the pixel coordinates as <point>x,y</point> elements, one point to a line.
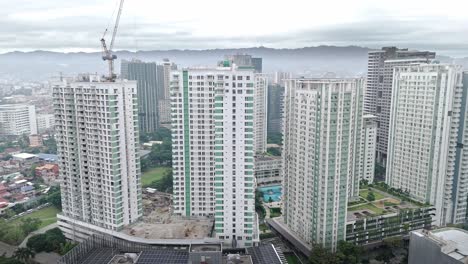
<point>78,25</point>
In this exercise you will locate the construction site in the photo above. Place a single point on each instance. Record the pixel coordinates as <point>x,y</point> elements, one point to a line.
<point>159,223</point>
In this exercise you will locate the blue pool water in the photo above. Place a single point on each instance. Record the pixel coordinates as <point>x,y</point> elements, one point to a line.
<point>271,191</point>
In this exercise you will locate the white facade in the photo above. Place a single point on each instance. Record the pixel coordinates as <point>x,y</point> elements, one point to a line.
<point>460,179</point>
<point>165,101</point>
<point>45,122</point>
<point>97,143</point>
<point>213,149</point>
<point>261,112</point>
<point>268,170</point>
<point>369,147</point>
<point>321,156</point>
<point>17,119</point>
<point>381,64</point>
<point>424,124</point>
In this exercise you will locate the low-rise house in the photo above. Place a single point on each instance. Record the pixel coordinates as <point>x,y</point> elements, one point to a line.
<point>48,172</point>
<point>26,159</point>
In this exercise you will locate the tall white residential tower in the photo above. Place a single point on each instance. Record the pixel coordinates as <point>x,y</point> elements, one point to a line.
<point>213,149</point>
<point>424,125</point>
<point>97,143</point>
<point>322,156</point>
<point>260,112</point>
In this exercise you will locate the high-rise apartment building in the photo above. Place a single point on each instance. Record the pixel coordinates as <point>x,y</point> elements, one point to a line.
<point>145,73</point>
<point>260,112</point>
<point>164,71</point>
<point>213,149</point>
<point>369,140</point>
<point>243,60</point>
<point>460,179</point>
<point>275,108</point>
<point>379,87</point>
<point>17,119</point>
<point>424,131</point>
<point>322,156</point>
<point>97,144</point>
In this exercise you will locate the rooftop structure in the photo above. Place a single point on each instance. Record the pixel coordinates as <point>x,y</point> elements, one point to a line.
<point>446,245</point>
<point>108,249</point>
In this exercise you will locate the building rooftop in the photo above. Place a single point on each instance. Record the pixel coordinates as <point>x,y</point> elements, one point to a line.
<point>205,247</point>
<point>46,167</point>
<point>384,204</point>
<point>112,250</point>
<point>455,242</point>
<point>24,156</point>
<point>47,157</point>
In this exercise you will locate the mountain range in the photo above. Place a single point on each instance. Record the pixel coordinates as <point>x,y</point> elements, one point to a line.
<point>309,61</point>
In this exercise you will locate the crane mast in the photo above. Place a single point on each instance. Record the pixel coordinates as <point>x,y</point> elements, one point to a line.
<point>107,52</point>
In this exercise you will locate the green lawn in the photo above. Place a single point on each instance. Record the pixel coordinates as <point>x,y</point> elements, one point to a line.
<point>364,192</point>
<point>292,259</point>
<point>47,215</point>
<point>275,212</point>
<point>153,175</point>
<point>369,207</point>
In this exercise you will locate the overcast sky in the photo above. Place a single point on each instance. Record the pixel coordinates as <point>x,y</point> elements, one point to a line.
<point>77,25</point>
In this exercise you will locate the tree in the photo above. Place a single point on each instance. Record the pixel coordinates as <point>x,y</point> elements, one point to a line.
<point>52,240</point>
<point>348,252</point>
<point>274,151</point>
<point>371,196</point>
<point>5,260</point>
<point>65,247</point>
<point>270,200</point>
<point>321,255</point>
<point>18,208</point>
<point>51,145</point>
<point>275,138</point>
<point>29,225</point>
<point>24,254</point>
<point>164,184</point>
<point>7,157</point>
<point>54,197</point>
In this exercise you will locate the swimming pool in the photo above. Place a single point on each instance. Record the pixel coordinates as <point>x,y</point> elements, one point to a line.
<point>271,191</point>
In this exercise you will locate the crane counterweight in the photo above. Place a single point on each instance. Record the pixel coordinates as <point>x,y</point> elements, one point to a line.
<point>107,52</point>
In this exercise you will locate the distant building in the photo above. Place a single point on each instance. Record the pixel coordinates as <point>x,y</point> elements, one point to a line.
<point>35,141</point>
<point>260,113</point>
<point>275,108</point>
<point>48,172</point>
<point>165,98</point>
<point>145,73</point>
<point>17,119</point>
<point>377,101</point>
<point>446,245</point>
<point>26,159</point>
<point>280,78</point>
<point>369,146</point>
<point>268,169</point>
<point>244,60</point>
<point>45,122</point>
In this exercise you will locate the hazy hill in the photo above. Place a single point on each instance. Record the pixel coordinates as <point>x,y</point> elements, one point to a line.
<point>309,61</point>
